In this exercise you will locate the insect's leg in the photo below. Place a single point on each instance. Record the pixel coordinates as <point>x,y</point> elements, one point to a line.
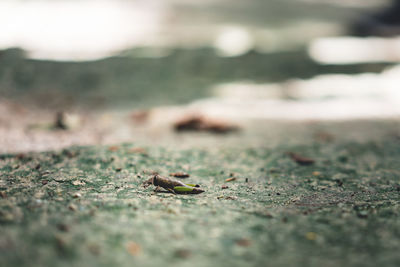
<point>157,189</point>
<point>171,190</point>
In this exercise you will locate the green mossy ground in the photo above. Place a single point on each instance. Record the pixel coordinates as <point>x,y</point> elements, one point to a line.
<point>85,206</point>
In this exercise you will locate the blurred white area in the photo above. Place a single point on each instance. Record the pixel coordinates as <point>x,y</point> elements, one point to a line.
<point>291,37</point>
<point>352,3</point>
<point>93,29</point>
<point>77,30</point>
<point>348,50</point>
<point>325,97</point>
<point>233,41</point>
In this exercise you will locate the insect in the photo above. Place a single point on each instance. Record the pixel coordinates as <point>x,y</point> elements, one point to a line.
<point>172,185</point>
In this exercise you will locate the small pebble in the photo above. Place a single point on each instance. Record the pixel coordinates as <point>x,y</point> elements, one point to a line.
<point>72,207</point>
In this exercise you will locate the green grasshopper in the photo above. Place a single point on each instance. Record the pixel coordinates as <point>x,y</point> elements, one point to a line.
<point>172,185</point>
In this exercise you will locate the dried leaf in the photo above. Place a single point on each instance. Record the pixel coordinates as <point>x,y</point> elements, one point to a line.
<point>139,150</point>
<point>113,148</point>
<point>200,123</point>
<point>301,160</point>
<point>133,248</point>
<point>179,174</point>
<point>243,242</point>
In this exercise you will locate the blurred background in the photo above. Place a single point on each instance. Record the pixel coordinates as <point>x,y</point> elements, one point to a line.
<point>103,72</point>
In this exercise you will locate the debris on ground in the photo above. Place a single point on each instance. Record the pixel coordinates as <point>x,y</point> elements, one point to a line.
<point>113,148</point>
<point>301,160</point>
<point>133,248</point>
<point>65,121</point>
<point>72,207</point>
<point>140,116</point>
<point>183,253</point>
<point>63,227</point>
<point>59,122</point>
<point>77,195</point>
<point>227,197</point>
<point>230,179</point>
<point>201,123</point>
<point>311,236</point>
<point>179,174</point>
<point>243,242</point>
<point>138,150</point>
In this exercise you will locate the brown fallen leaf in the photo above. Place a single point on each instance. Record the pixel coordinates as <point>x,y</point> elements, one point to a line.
<point>227,197</point>
<point>179,174</point>
<point>243,242</point>
<point>224,187</point>
<point>301,160</point>
<point>183,253</point>
<point>138,150</point>
<point>113,148</point>
<point>140,116</point>
<point>230,179</point>
<point>201,123</point>
<point>133,248</point>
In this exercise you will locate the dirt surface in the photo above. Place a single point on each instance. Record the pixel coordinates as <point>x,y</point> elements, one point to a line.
<point>85,206</point>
